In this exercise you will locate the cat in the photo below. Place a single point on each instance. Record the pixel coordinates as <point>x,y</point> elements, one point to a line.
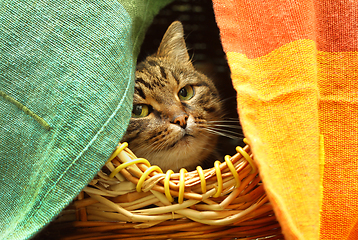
<point>175,108</point>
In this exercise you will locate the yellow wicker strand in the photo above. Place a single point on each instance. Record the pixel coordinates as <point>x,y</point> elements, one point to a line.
<point>145,175</point>
<point>133,217</point>
<point>166,209</point>
<point>181,184</point>
<point>175,207</point>
<point>133,203</point>
<point>98,215</point>
<point>111,205</point>
<point>202,179</point>
<point>233,170</point>
<point>166,185</point>
<point>161,197</point>
<point>213,215</point>
<point>248,158</point>
<point>127,164</point>
<point>124,190</point>
<point>235,217</point>
<point>142,204</point>
<point>246,141</point>
<point>219,179</point>
<point>152,182</point>
<point>118,176</point>
<point>234,194</point>
<point>118,150</point>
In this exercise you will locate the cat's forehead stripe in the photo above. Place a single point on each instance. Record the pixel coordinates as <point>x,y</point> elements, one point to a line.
<point>142,82</point>
<point>176,78</point>
<point>162,71</point>
<point>139,91</point>
<point>158,75</point>
<point>152,63</point>
<point>158,83</point>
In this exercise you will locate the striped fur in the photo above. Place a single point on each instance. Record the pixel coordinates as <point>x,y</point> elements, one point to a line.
<point>158,137</point>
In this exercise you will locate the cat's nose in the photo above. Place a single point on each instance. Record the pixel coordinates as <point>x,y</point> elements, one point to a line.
<point>181,120</point>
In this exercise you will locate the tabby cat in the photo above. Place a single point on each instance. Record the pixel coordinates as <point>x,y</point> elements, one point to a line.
<point>175,108</point>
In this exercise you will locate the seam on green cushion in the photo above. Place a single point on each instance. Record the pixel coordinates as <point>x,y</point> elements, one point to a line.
<point>99,132</point>
<point>26,110</point>
<point>96,136</point>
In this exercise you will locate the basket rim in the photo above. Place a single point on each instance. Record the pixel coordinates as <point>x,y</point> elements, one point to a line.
<point>123,167</point>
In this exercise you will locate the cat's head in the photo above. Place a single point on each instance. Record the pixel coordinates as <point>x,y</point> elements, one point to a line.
<point>173,106</point>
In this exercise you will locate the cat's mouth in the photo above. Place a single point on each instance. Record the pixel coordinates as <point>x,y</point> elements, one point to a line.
<point>186,136</point>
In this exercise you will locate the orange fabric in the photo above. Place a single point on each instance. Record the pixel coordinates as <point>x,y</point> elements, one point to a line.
<point>258,27</point>
<point>295,68</point>
<point>337,25</point>
<point>338,74</point>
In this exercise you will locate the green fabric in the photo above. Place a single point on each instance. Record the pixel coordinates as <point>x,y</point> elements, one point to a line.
<point>66,85</point>
<point>142,13</point>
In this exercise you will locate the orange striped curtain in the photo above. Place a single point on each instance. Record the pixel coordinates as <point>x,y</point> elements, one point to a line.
<point>295,68</point>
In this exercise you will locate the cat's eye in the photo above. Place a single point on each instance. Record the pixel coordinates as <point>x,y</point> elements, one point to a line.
<point>186,93</point>
<point>140,110</point>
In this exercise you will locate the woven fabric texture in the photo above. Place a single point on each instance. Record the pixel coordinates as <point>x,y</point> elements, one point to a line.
<point>294,65</point>
<point>66,85</point>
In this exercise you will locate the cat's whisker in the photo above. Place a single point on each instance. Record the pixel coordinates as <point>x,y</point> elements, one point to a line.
<point>214,131</point>
<point>158,147</point>
<point>225,126</point>
<point>151,148</point>
<point>226,131</point>
<point>225,101</point>
<point>146,148</point>
<point>162,146</point>
<point>236,119</point>
<point>225,121</point>
<point>228,128</point>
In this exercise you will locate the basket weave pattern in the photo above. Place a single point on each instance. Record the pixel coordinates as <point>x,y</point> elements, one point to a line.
<point>130,199</point>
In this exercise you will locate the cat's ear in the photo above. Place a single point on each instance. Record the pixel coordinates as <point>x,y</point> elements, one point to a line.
<point>173,44</point>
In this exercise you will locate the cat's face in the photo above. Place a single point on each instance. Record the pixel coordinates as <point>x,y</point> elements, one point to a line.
<point>173,104</point>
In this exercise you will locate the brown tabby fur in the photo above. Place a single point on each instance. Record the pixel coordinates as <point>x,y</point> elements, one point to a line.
<point>174,135</point>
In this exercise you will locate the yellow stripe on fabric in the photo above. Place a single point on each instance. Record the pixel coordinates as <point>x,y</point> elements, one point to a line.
<point>321,170</point>
<point>278,98</point>
<point>26,110</point>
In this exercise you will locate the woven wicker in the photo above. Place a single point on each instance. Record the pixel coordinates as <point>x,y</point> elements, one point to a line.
<point>129,199</point>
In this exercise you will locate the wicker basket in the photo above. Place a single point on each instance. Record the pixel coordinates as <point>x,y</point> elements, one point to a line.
<point>130,199</point>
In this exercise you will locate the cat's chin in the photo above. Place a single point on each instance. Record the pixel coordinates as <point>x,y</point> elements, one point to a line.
<point>183,142</point>
<point>188,152</point>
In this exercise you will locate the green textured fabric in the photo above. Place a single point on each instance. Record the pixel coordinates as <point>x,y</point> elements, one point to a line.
<point>66,85</point>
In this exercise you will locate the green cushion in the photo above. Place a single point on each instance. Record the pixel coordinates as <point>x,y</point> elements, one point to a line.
<point>66,85</point>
